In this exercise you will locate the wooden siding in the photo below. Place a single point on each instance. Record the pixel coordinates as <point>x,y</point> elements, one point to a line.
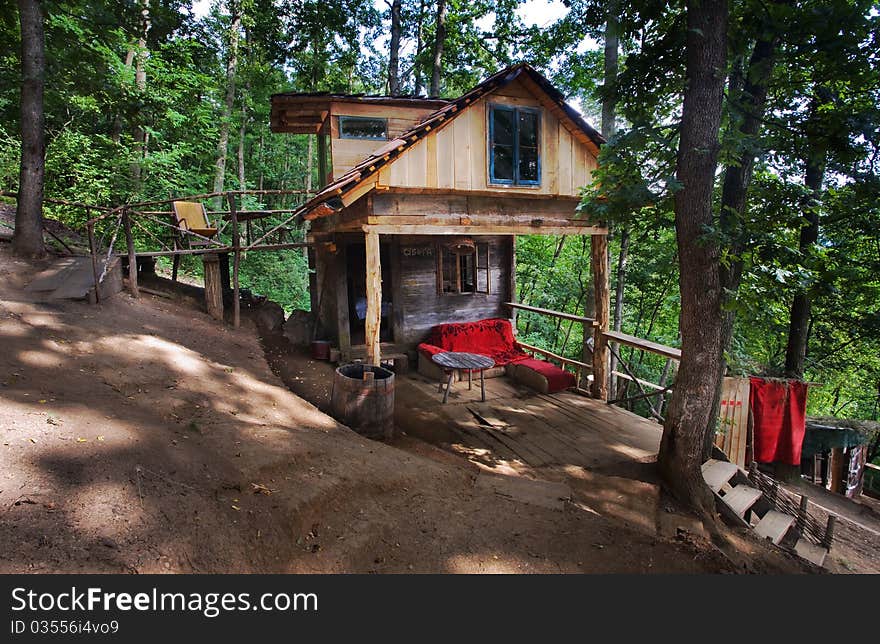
<point>455,156</point>
<point>420,305</point>
<point>346,153</point>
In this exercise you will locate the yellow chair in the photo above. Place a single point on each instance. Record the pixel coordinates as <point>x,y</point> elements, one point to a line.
<point>190,216</point>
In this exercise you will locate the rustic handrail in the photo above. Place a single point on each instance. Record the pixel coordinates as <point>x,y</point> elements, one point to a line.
<point>646,345</point>
<point>558,314</point>
<point>555,356</point>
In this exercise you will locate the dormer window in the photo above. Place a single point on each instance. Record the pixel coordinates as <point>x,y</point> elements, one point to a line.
<point>514,142</point>
<point>358,127</point>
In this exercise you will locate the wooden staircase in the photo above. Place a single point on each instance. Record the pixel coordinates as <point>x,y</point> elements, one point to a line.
<point>744,503</point>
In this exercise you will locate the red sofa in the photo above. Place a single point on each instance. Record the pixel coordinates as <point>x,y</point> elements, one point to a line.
<point>492,337</point>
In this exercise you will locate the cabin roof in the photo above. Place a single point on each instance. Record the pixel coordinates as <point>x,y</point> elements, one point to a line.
<point>330,199</point>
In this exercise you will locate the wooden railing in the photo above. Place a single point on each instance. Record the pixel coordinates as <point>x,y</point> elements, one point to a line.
<point>578,367</point>
<point>670,353</point>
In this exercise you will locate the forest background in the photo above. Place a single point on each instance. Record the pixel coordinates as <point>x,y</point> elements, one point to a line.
<point>146,99</point>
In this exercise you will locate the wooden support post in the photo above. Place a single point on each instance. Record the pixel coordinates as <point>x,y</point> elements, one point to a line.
<point>236,261</point>
<point>802,513</point>
<point>94,253</point>
<point>829,531</point>
<point>132,258</point>
<point>323,175</point>
<point>343,327</point>
<point>599,262</point>
<point>374,298</point>
<point>837,470</point>
<point>213,286</point>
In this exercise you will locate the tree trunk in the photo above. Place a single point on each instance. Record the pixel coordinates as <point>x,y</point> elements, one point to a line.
<point>226,118</point>
<point>689,427</point>
<point>617,320</point>
<point>140,80</point>
<point>242,130</point>
<point>440,36</point>
<point>609,127</point>
<point>796,349</point>
<point>748,104</point>
<point>27,240</point>
<point>609,100</point>
<point>394,53</point>
<point>417,75</point>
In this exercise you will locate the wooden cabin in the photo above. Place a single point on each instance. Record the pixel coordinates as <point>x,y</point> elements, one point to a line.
<point>423,198</point>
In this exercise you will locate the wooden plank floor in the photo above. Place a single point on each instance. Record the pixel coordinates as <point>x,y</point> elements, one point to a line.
<point>520,427</point>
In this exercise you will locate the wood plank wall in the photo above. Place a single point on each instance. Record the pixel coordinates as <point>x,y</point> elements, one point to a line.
<point>347,153</point>
<point>419,303</point>
<point>455,156</point>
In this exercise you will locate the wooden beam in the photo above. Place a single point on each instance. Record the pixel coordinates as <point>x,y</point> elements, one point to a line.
<point>599,263</point>
<point>557,314</point>
<point>132,259</point>
<point>414,229</point>
<point>374,298</point>
<point>646,345</point>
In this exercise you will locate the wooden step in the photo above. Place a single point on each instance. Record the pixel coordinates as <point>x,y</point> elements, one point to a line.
<point>774,526</point>
<point>810,551</point>
<point>716,473</point>
<point>741,499</point>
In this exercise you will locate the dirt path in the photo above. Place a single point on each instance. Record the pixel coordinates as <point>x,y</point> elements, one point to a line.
<point>140,436</point>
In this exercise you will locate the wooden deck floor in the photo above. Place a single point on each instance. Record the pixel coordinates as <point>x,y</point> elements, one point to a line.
<point>520,428</point>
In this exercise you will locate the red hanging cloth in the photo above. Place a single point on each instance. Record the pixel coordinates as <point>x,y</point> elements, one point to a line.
<point>779,410</point>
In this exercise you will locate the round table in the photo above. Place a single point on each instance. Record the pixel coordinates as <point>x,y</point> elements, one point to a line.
<point>452,360</point>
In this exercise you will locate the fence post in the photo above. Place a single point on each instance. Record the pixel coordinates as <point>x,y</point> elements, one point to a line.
<point>94,253</point>
<point>829,530</point>
<point>236,249</point>
<point>802,513</point>
<point>132,257</point>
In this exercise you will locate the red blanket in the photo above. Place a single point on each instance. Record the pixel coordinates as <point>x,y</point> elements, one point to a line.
<point>492,337</point>
<point>557,379</point>
<point>779,411</point>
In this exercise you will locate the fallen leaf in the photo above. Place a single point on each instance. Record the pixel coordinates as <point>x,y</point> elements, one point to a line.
<point>259,488</point>
<point>82,440</point>
<point>236,508</point>
<point>100,438</point>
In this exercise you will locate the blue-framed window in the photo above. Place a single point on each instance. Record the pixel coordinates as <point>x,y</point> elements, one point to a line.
<point>514,145</point>
<point>360,127</point>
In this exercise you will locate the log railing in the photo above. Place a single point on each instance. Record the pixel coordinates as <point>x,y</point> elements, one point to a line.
<point>670,353</point>
<point>579,368</point>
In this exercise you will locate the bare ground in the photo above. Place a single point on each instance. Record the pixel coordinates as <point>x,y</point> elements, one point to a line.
<point>141,436</point>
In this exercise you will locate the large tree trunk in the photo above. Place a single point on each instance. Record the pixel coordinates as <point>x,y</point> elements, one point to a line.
<point>799,320</point>
<point>439,38</point>
<point>394,52</point>
<point>609,127</point>
<point>226,118</point>
<point>27,240</point>
<point>748,104</point>
<point>688,432</point>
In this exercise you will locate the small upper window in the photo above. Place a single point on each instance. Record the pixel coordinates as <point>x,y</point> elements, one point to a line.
<point>357,127</point>
<point>514,142</point>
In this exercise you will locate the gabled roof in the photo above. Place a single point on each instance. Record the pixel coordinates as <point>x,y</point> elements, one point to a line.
<point>331,198</point>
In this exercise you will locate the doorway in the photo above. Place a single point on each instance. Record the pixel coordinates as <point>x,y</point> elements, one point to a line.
<point>356,260</point>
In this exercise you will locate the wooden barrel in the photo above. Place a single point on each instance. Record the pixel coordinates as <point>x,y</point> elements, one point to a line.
<point>364,404</point>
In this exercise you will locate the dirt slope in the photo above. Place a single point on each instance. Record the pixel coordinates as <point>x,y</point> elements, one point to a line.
<point>140,436</point>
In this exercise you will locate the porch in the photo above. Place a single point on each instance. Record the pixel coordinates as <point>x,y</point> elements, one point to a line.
<point>518,430</point>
